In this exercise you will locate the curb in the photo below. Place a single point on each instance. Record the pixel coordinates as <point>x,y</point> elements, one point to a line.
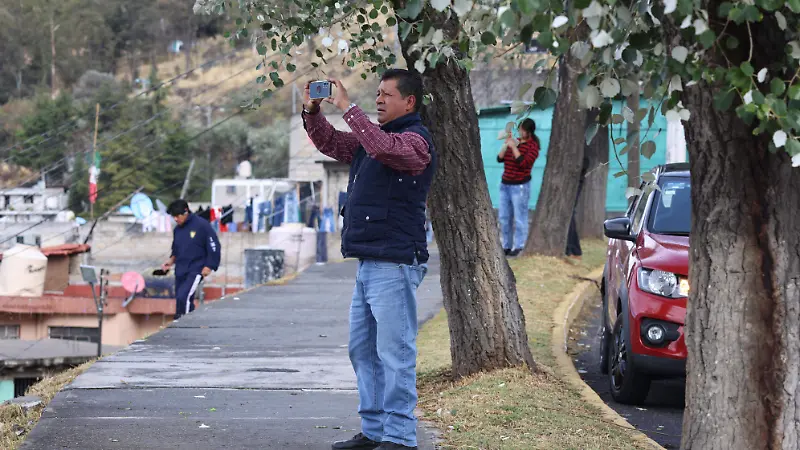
<point>563,317</point>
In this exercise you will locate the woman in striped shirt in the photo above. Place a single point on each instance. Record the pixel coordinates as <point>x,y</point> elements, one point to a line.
<point>515,190</point>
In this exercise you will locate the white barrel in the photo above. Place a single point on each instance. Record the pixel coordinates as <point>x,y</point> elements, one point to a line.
<point>22,272</point>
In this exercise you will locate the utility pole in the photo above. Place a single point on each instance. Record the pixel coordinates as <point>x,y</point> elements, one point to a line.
<point>185,188</point>
<point>94,153</point>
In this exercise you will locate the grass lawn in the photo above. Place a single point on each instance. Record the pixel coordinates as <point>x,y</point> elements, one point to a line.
<point>16,422</point>
<point>513,409</point>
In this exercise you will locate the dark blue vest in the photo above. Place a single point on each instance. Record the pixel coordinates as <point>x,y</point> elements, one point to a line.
<point>384,216</point>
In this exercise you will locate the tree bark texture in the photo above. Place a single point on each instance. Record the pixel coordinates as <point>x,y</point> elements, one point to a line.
<point>743,319</point>
<point>486,321</point>
<point>592,201</point>
<point>548,234</point>
<point>634,147</point>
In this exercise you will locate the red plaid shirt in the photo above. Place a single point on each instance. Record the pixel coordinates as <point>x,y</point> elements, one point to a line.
<point>405,152</point>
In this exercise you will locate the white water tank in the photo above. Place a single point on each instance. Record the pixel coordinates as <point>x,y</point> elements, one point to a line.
<point>298,242</point>
<point>22,272</point>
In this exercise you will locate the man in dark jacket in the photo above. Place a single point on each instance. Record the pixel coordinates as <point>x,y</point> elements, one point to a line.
<point>195,254</point>
<point>391,169</point>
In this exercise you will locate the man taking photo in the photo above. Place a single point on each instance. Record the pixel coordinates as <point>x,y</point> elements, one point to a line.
<point>391,169</point>
<point>195,254</point>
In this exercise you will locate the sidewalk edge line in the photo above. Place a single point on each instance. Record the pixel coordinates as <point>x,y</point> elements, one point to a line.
<point>564,315</point>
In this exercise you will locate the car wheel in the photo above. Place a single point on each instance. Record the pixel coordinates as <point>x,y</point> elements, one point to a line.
<point>626,385</point>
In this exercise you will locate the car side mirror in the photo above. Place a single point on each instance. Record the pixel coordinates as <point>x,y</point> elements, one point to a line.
<point>619,228</point>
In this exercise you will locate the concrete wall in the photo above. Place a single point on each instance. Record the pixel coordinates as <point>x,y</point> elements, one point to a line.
<point>50,233</point>
<point>120,248</point>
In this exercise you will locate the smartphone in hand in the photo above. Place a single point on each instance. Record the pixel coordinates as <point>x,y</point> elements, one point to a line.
<point>320,89</point>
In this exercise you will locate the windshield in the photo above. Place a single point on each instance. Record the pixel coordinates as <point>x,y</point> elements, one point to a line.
<point>671,212</point>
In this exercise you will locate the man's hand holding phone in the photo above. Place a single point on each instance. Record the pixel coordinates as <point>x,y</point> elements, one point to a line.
<point>312,104</point>
<point>332,91</point>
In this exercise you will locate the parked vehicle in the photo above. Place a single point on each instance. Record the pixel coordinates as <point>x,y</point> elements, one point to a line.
<point>645,286</point>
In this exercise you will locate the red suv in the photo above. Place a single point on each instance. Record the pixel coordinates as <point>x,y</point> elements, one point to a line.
<point>645,286</point>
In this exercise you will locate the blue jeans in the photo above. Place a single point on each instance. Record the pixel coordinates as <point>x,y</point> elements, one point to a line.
<point>514,210</point>
<point>383,349</point>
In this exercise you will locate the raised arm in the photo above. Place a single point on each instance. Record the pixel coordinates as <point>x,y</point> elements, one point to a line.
<point>405,152</point>
<point>339,145</point>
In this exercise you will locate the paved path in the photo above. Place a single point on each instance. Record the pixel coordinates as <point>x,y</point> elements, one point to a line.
<point>263,369</point>
<point>660,417</point>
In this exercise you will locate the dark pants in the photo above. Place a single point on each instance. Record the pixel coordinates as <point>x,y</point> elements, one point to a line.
<point>573,240</point>
<point>185,288</point>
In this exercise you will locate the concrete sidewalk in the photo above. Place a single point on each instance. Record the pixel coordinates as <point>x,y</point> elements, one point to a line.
<point>263,369</point>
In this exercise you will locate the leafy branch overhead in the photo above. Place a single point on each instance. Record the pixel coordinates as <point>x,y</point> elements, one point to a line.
<point>625,50</point>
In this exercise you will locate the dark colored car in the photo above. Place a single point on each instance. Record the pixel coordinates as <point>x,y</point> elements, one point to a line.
<point>645,286</point>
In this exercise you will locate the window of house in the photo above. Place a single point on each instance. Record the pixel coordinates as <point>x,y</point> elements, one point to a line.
<point>21,385</point>
<point>28,199</point>
<point>20,239</point>
<point>231,189</point>
<point>9,331</point>
<point>83,334</point>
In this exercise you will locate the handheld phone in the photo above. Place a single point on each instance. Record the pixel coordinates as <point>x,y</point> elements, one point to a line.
<point>320,89</point>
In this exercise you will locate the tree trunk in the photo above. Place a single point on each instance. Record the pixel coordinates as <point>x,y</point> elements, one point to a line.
<point>487,325</point>
<point>743,318</point>
<point>592,201</point>
<point>634,146</point>
<point>548,235</point>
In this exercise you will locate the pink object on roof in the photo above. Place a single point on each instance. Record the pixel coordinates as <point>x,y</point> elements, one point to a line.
<point>132,281</point>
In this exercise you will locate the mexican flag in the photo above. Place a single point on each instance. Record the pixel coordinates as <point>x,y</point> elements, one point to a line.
<point>94,172</point>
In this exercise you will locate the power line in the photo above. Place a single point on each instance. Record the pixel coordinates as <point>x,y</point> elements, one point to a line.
<point>240,111</point>
<point>135,126</point>
<point>75,120</point>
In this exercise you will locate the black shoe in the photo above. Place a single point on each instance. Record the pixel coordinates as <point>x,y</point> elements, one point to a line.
<point>515,252</point>
<point>507,251</point>
<point>393,446</point>
<point>358,442</point>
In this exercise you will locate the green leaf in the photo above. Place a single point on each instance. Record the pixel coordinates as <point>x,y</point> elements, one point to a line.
<point>373,14</point>
<point>707,39</point>
<point>732,43</point>
<point>488,38</point>
<point>617,119</point>
<point>620,174</point>
<point>412,9</point>
<point>794,92</point>
<point>391,21</point>
<point>724,100</point>
<point>794,5</point>
<point>262,49</point>
<point>582,4</point>
<point>648,177</point>
<point>545,39</point>
<point>624,150</point>
<point>777,86</point>
<point>528,7</point>
<point>291,67</point>
<point>724,9</point>
<point>648,150</point>
<point>544,97</point>
<point>591,131</point>
<point>618,141</point>
<point>583,81</point>
<point>629,55</point>
<point>793,146</point>
<point>508,18</point>
<point>747,69</point>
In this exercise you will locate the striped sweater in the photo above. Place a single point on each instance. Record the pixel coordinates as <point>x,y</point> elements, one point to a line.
<point>518,170</point>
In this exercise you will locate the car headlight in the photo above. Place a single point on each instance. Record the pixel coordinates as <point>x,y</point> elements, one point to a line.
<point>666,284</point>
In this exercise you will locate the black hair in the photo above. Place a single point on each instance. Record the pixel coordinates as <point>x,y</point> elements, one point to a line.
<point>530,126</point>
<point>408,83</point>
<point>178,207</point>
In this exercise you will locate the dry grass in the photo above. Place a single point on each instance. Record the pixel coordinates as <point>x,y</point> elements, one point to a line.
<point>513,409</point>
<point>16,422</point>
